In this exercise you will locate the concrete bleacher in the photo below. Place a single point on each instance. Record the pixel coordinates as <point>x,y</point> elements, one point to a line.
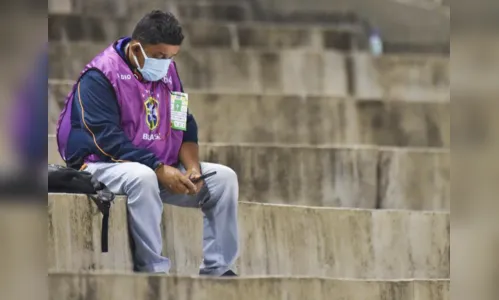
<point>144,287</point>
<point>367,177</point>
<point>206,33</point>
<point>343,159</point>
<point>274,240</point>
<point>406,25</point>
<point>312,120</point>
<point>332,73</point>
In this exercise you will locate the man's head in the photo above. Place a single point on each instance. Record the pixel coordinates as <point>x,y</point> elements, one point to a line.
<point>158,35</point>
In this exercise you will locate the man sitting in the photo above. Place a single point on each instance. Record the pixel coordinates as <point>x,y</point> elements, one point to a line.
<point>127,122</point>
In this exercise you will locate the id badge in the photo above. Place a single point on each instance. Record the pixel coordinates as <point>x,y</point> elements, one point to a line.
<point>179,103</point>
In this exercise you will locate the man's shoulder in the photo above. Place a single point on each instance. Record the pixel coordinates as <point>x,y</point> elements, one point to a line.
<point>93,74</point>
<point>108,61</point>
<point>94,77</point>
<point>94,87</point>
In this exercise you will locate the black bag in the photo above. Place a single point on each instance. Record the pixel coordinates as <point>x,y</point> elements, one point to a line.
<point>67,180</point>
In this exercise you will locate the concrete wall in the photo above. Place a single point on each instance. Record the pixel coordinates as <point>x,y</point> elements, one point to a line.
<point>235,11</point>
<point>340,176</point>
<point>288,72</point>
<point>275,240</point>
<point>406,22</point>
<point>133,9</point>
<point>414,78</point>
<point>411,78</point>
<point>127,287</point>
<point>366,177</point>
<point>203,33</point>
<point>398,21</point>
<point>308,120</point>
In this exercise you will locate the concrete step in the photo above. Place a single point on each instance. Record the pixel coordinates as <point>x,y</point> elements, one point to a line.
<point>118,286</point>
<point>132,9</point>
<point>188,10</point>
<point>76,28</point>
<point>308,120</point>
<point>233,11</point>
<point>411,78</point>
<point>404,27</point>
<point>395,41</point>
<point>226,10</point>
<point>275,240</point>
<point>345,176</point>
<point>398,21</point>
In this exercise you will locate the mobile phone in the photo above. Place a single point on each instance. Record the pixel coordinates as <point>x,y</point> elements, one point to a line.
<point>203,177</point>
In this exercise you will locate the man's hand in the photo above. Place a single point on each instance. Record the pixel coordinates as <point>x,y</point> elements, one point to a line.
<point>193,174</point>
<point>175,181</point>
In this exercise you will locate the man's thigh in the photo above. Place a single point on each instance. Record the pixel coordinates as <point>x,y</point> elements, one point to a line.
<point>116,175</point>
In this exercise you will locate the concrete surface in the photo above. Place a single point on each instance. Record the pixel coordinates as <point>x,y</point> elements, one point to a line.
<point>402,22</point>
<point>307,120</point>
<point>78,28</point>
<point>244,71</point>
<point>235,11</point>
<point>71,286</point>
<point>348,176</point>
<point>275,240</point>
<point>133,9</point>
<point>59,6</point>
<point>413,78</point>
<point>405,21</point>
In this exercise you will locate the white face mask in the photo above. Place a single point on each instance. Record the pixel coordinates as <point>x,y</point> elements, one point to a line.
<point>154,68</point>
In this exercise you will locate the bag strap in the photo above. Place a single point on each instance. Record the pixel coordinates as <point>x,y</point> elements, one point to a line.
<point>103,201</point>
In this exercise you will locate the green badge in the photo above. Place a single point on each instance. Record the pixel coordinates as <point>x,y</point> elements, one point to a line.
<point>179,103</point>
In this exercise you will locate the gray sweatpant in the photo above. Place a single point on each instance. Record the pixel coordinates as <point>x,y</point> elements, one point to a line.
<point>219,196</point>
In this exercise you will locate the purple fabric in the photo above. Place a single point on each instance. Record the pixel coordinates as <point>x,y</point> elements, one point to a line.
<point>133,96</point>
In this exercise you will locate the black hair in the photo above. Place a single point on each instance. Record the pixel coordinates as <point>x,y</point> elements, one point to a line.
<point>158,27</point>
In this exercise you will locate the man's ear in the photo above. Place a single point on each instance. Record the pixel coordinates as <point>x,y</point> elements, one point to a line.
<point>135,48</point>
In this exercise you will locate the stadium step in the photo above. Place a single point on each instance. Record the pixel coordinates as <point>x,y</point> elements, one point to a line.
<point>407,22</point>
<point>401,22</point>
<point>205,33</point>
<point>274,239</point>
<point>347,176</point>
<point>233,11</point>
<point>297,72</point>
<point>312,120</point>
<point>226,10</point>
<point>119,286</point>
<point>133,9</point>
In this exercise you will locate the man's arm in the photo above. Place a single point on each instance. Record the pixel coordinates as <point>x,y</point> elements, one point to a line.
<point>189,151</point>
<point>99,113</point>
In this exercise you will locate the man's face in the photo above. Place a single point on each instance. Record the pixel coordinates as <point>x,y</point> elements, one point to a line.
<point>160,51</point>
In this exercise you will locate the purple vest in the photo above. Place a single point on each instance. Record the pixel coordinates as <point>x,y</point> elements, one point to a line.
<point>144,108</point>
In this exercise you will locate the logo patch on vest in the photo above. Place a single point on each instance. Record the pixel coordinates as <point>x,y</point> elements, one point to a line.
<point>152,115</point>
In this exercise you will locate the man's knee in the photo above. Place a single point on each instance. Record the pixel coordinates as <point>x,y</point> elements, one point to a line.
<point>224,185</point>
<point>140,176</point>
<point>227,177</point>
